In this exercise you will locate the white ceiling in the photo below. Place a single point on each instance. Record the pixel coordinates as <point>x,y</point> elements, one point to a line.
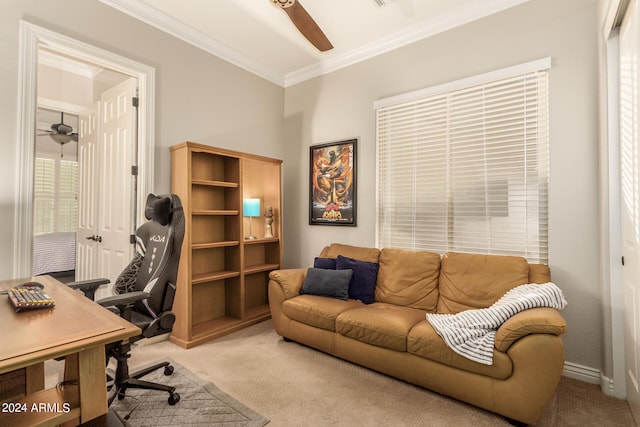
<point>259,37</point>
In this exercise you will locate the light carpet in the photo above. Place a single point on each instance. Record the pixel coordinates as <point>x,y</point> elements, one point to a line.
<point>293,385</point>
<point>201,404</point>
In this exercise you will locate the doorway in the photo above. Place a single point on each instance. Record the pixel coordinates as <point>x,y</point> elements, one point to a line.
<point>55,194</point>
<point>32,39</point>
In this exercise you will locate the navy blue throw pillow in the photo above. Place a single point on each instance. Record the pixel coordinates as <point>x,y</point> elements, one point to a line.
<point>327,283</point>
<point>326,263</point>
<point>363,282</point>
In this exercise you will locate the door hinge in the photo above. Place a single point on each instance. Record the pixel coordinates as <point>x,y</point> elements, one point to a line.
<point>622,260</point>
<point>134,170</point>
<point>132,239</point>
<point>135,101</point>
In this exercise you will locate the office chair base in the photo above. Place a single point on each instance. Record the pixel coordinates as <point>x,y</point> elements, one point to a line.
<point>120,392</point>
<point>124,380</point>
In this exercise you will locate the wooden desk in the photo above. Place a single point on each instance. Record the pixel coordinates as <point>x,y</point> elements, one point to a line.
<point>77,329</point>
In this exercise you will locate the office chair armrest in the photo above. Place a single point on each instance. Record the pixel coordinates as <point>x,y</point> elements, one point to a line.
<point>122,304</point>
<point>123,299</point>
<point>88,287</point>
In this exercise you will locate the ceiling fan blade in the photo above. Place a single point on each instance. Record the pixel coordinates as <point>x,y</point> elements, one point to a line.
<point>305,24</point>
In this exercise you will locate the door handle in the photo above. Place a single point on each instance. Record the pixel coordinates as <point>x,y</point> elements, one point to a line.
<point>95,238</point>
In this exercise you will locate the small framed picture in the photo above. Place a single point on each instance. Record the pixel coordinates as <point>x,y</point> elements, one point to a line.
<point>332,188</point>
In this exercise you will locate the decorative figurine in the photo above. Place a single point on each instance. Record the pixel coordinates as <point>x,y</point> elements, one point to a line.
<point>268,219</point>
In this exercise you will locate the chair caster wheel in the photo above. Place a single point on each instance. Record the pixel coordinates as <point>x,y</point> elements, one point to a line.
<point>173,398</point>
<point>168,370</point>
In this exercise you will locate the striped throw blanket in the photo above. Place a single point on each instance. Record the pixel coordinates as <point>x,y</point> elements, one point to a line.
<point>471,333</point>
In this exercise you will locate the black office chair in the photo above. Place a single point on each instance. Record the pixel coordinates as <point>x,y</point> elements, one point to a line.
<point>144,292</point>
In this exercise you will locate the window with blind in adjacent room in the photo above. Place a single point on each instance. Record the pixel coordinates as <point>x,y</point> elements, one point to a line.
<point>464,166</point>
<point>55,195</point>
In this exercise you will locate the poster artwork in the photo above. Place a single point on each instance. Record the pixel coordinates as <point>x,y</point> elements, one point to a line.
<point>333,184</point>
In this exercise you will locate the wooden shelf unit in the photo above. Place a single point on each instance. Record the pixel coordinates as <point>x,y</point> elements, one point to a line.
<point>223,277</point>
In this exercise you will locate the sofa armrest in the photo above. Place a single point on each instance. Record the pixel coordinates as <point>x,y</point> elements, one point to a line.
<point>290,281</point>
<point>541,320</point>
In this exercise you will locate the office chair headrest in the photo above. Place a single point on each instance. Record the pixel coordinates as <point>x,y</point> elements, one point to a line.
<point>158,209</point>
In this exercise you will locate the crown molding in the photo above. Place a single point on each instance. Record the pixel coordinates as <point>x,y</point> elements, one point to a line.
<point>148,14</point>
<point>81,69</point>
<point>475,10</point>
<point>441,23</point>
<point>60,106</point>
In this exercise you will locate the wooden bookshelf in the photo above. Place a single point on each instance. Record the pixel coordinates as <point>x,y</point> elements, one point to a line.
<point>223,277</point>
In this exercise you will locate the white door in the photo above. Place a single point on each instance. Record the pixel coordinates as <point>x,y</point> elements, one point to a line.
<point>104,238</point>
<point>630,198</point>
<point>115,157</point>
<point>86,247</point>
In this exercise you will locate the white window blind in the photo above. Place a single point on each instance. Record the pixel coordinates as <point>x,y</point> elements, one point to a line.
<point>55,195</point>
<point>466,169</point>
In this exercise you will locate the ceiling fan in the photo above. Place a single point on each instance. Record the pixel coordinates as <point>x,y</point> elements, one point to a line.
<point>61,133</point>
<point>305,23</point>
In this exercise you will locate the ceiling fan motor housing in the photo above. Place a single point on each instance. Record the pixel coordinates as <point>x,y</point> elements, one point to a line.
<point>284,3</point>
<point>61,128</point>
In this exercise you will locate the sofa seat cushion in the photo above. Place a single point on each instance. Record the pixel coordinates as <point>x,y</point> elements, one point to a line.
<point>425,342</point>
<point>379,324</point>
<point>317,311</point>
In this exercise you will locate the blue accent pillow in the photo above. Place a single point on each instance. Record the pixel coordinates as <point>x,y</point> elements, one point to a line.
<point>363,281</point>
<point>327,283</point>
<point>326,263</point>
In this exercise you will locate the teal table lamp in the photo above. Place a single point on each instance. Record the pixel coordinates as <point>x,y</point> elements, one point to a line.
<point>251,208</point>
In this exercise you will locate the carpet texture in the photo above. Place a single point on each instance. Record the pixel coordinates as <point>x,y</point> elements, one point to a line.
<point>201,404</point>
<point>294,385</point>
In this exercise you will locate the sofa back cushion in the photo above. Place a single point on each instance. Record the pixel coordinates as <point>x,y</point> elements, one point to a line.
<point>539,273</point>
<point>408,278</point>
<point>470,281</point>
<point>355,252</point>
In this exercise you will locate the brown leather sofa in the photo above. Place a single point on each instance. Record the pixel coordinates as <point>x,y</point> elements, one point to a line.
<point>392,335</point>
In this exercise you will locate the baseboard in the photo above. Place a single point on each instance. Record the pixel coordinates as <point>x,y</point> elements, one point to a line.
<point>581,373</point>
<point>608,387</point>
<point>593,376</point>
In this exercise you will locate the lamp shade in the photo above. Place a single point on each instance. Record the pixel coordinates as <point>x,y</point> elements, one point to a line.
<point>251,207</point>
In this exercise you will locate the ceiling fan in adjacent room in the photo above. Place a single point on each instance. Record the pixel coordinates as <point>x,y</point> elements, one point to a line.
<point>61,133</point>
<point>305,24</point>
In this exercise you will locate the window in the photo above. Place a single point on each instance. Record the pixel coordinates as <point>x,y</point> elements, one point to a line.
<point>55,195</point>
<point>464,166</point>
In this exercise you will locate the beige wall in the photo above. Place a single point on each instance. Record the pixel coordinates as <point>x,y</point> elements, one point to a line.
<point>340,105</point>
<point>199,97</point>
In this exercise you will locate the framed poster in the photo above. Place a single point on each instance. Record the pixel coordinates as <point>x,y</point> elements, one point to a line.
<point>332,190</point>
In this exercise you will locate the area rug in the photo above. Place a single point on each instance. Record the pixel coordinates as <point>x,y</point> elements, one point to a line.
<point>201,404</point>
